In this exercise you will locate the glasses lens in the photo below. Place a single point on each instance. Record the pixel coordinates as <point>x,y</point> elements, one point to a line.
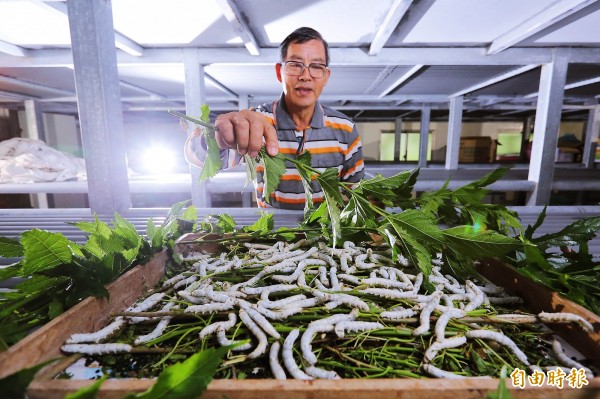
<point>317,71</point>
<point>294,68</point>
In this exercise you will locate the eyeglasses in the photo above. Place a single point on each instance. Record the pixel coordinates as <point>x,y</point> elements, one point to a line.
<point>296,68</point>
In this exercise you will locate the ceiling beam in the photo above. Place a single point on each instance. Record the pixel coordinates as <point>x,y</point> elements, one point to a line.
<point>16,96</point>
<point>569,86</point>
<point>34,86</point>
<point>392,19</point>
<point>152,94</point>
<point>221,86</point>
<point>496,79</point>
<point>11,49</point>
<point>122,42</point>
<point>351,56</point>
<point>402,79</point>
<point>234,16</point>
<point>545,18</point>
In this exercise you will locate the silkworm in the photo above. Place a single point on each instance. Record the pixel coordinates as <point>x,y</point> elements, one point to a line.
<point>259,319</point>
<point>561,317</point>
<point>99,335</point>
<point>325,258</point>
<point>344,262</point>
<point>224,341</point>
<point>437,346</point>
<point>350,300</point>
<point>439,373</point>
<point>280,302</point>
<point>323,276</point>
<point>307,338</point>
<point>276,369</point>
<point>360,263</point>
<point>426,313</point>
<point>96,349</point>
<point>320,373</point>
<point>157,332</point>
<point>442,322</point>
<point>477,299</point>
<point>386,283</point>
<point>258,333</point>
<point>355,326</point>
<point>349,278</point>
<point>193,299</point>
<point>335,283</point>
<point>278,257</point>
<point>225,325</point>
<point>271,288</point>
<point>174,280</point>
<point>501,339</point>
<point>210,307</point>
<point>397,314</point>
<point>185,282</point>
<point>566,360</point>
<point>389,294</point>
<point>280,314</point>
<point>287,354</point>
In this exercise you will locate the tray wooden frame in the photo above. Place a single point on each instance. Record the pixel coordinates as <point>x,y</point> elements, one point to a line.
<point>537,298</point>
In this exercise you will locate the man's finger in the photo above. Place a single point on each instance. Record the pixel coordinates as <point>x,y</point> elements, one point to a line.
<point>271,141</point>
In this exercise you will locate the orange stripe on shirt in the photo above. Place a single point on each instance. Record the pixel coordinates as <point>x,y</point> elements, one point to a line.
<point>326,150</point>
<point>339,126</point>
<point>293,200</point>
<point>359,163</point>
<point>352,146</point>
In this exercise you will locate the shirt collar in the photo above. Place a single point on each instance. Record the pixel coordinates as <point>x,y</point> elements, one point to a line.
<point>285,121</point>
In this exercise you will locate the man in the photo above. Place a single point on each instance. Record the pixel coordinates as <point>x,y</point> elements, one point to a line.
<point>296,122</point>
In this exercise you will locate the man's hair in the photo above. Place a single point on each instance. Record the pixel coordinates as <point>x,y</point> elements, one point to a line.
<point>303,35</point>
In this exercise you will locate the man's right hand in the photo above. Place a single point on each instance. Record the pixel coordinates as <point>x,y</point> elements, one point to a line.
<point>246,132</point>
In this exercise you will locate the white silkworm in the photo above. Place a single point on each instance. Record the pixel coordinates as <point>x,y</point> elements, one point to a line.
<point>276,369</point>
<point>439,373</point>
<point>96,349</point>
<point>287,354</point>
<point>355,326</point>
<point>360,263</point>
<point>225,325</point>
<point>426,313</point>
<point>344,262</point>
<point>280,302</point>
<point>323,276</point>
<point>320,373</point>
<point>224,341</point>
<point>147,303</point>
<point>281,314</point>
<point>397,314</point>
<point>491,289</point>
<point>349,278</point>
<point>209,293</point>
<point>336,318</point>
<point>566,360</point>
<point>386,283</point>
<point>278,257</point>
<point>185,282</point>
<point>271,288</point>
<point>501,339</point>
<point>335,283</point>
<point>304,255</point>
<point>418,282</point>
<point>437,346</point>
<point>258,333</point>
<point>259,319</point>
<point>561,317</point>
<point>210,307</point>
<point>99,335</point>
<point>174,280</point>
<point>299,270</point>
<point>157,332</point>
<point>283,267</point>
<point>442,322</point>
<point>350,300</point>
<point>389,294</point>
<point>307,338</point>
<point>477,299</point>
<point>193,299</point>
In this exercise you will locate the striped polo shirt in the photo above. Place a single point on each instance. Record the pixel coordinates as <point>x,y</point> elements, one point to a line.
<point>331,139</point>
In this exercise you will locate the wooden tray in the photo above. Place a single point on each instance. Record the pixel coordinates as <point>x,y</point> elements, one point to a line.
<point>89,315</point>
<point>45,387</point>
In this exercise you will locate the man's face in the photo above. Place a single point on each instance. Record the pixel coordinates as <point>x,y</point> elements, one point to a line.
<point>303,91</point>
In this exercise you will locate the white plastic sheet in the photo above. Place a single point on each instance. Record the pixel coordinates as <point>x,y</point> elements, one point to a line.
<point>25,160</point>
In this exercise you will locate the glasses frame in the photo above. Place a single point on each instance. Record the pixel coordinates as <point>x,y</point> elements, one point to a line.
<point>304,66</point>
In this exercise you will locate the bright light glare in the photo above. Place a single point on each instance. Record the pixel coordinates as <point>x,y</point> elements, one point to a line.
<point>159,161</point>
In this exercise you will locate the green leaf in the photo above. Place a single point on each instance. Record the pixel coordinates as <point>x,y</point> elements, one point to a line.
<point>226,223</point>
<point>10,248</point>
<point>580,231</point>
<point>330,184</point>
<point>274,167</point>
<point>264,224</point>
<point>420,226</point>
<point>212,163</point>
<point>189,379</point>
<point>44,250</point>
<point>502,392</point>
<point>305,162</point>
<point>15,385</point>
<point>39,283</point>
<point>409,246</point>
<point>89,392</point>
<point>479,243</point>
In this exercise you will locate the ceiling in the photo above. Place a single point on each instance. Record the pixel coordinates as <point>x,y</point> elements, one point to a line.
<point>390,58</point>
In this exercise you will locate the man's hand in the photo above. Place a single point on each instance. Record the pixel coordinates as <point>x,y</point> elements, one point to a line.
<point>246,131</point>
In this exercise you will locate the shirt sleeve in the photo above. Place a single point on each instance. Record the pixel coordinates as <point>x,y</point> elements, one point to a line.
<point>353,169</point>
